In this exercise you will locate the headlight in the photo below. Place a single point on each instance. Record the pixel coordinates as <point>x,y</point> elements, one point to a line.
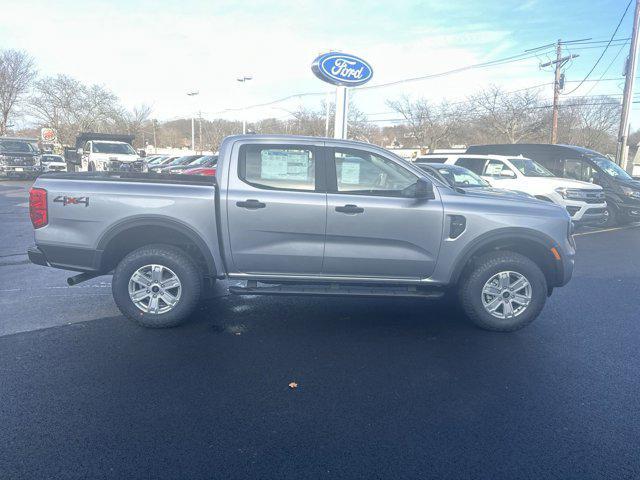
<point>571,194</point>
<point>630,192</point>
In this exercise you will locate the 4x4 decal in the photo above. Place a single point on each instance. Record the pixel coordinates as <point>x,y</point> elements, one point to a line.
<point>65,200</point>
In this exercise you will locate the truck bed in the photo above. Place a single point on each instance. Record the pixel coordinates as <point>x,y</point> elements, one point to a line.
<point>147,177</point>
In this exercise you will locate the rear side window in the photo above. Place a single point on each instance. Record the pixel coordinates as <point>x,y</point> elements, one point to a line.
<point>278,168</point>
<point>476,165</point>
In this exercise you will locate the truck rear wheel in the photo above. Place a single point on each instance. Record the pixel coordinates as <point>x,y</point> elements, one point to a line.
<point>504,291</point>
<point>157,286</point>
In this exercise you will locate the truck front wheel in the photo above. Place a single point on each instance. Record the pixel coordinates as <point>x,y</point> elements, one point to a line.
<point>503,291</point>
<point>157,286</point>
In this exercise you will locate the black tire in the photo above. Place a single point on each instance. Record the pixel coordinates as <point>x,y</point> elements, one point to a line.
<point>167,256</point>
<point>486,267</point>
<point>611,218</point>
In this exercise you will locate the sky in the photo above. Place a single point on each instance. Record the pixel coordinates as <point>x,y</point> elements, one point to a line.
<point>154,52</point>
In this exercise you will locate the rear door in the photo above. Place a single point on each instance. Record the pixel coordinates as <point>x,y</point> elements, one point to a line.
<point>374,229</point>
<point>276,206</point>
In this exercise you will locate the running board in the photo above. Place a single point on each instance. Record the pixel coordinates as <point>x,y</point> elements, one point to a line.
<point>335,289</point>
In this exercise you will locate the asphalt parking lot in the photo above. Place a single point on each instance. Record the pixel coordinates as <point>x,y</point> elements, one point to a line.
<point>386,388</point>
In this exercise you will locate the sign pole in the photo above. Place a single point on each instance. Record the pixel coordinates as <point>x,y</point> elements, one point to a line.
<point>340,125</point>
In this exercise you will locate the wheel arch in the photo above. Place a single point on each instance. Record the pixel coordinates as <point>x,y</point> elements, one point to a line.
<point>530,243</point>
<point>135,232</point>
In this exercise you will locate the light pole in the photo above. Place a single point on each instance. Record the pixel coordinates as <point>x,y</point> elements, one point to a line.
<point>244,79</point>
<point>193,123</point>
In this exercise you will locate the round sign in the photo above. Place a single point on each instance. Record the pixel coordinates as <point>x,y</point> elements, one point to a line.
<point>48,135</point>
<point>342,69</point>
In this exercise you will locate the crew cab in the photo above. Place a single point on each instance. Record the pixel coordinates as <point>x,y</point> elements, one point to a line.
<point>584,201</point>
<point>291,215</point>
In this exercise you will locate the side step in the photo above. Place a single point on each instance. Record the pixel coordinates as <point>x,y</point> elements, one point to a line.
<point>335,289</point>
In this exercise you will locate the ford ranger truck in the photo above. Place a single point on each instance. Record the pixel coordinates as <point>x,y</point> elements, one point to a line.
<point>288,215</point>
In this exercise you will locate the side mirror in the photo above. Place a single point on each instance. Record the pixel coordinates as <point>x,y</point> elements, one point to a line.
<point>80,151</point>
<point>142,153</point>
<point>424,189</point>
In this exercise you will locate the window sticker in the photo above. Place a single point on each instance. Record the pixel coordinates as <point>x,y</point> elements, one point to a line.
<point>494,169</point>
<point>282,165</point>
<point>350,173</point>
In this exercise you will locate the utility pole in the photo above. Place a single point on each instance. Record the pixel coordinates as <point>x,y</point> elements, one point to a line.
<point>622,150</point>
<point>154,123</point>
<point>244,79</point>
<point>193,124</point>
<point>200,128</point>
<point>559,63</point>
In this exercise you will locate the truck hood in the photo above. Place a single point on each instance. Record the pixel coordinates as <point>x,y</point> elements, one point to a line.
<point>635,184</point>
<point>557,182</point>
<point>500,193</point>
<point>116,156</point>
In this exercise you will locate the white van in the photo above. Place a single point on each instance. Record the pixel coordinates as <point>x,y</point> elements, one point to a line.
<point>584,201</point>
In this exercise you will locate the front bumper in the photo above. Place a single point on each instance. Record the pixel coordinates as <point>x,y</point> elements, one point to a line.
<point>19,170</point>
<point>583,213</point>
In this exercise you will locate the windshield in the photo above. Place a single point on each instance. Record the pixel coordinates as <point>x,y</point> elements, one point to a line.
<point>115,148</point>
<point>16,146</point>
<point>611,168</point>
<point>529,168</point>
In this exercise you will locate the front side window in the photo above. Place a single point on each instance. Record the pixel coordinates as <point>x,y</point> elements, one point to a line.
<point>461,177</point>
<point>279,168</point>
<point>363,173</point>
<point>578,170</point>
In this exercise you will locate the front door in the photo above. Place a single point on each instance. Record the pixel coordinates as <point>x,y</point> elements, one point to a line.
<point>277,207</point>
<point>374,227</point>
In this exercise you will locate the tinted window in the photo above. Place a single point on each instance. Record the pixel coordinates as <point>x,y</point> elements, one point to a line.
<point>365,173</point>
<point>578,170</point>
<point>476,165</point>
<point>288,168</point>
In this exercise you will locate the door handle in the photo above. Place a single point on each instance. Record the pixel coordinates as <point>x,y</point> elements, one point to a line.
<point>350,209</point>
<point>251,204</point>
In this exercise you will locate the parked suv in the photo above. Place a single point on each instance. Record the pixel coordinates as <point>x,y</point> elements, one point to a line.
<point>584,201</point>
<point>622,192</point>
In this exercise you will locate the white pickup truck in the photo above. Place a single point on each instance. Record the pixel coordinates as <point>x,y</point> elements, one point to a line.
<point>109,156</point>
<point>584,201</point>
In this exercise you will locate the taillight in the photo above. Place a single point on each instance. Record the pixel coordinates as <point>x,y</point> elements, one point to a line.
<point>38,207</point>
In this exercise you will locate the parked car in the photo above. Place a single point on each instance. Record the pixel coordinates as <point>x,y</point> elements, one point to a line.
<point>622,192</point>
<point>203,166</point>
<point>18,158</point>
<point>156,166</point>
<point>53,163</point>
<point>302,216</point>
<point>180,164</point>
<point>462,178</point>
<point>584,201</point>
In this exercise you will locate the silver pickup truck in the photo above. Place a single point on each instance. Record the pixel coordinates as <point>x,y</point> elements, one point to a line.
<point>302,216</point>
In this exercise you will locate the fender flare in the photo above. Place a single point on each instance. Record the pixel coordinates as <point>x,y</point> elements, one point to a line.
<point>160,221</point>
<point>515,233</point>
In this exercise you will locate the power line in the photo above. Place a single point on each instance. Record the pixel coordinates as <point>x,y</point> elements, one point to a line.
<point>605,49</point>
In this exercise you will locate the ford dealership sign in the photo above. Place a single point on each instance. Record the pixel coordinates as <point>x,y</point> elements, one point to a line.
<point>342,69</point>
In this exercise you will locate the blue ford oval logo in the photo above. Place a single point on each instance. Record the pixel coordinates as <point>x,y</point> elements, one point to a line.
<point>342,69</point>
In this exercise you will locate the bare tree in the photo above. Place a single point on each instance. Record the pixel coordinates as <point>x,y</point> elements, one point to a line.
<point>17,71</point>
<point>510,117</point>
<point>590,122</point>
<point>428,124</point>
